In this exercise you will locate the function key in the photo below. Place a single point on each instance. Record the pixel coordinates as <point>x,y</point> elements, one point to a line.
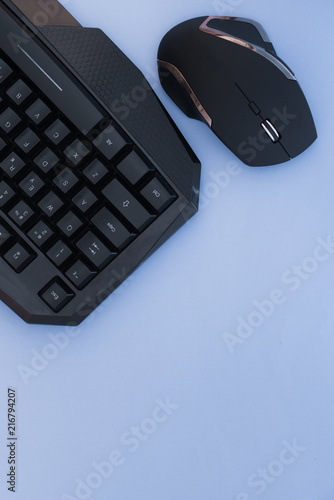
<point>59,253</point>
<point>19,92</point>
<point>38,111</point>
<point>2,144</point>
<point>21,213</point>
<point>85,200</point>
<point>5,71</point>
<point>50,204</point>
<point>46,160</point>
<point>32,184</point>
<point>112,229</point>
<point>110,142</point>
<point>127,205</point>
<point>69,224</point>
<point>95,250</point>
<point>40,234</point>
<point>66,180</point>
<point>157,195</point>
<point>6,193</point>
<point>9,120</point>
<point>4,235</point>
<point>12,165</point>
<point>133,168</point>
<point>57,295</point>
<point>19,257</point>
<point>57,132</point>
<point>95,172</point>
<point>27,140</point>
<point>76,152</point>
<point>80,275</point>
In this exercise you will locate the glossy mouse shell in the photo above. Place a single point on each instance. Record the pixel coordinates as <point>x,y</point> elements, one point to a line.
<point>235,85</point>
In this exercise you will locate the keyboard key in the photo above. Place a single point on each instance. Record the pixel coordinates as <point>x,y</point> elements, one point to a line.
<point>31,184</point>
<point>133,168</point>
<point>127,205</point>
<point>46,160</point>
<point>95,250</point>
<point>66,180</point>
<point>50,204</point>
<point>110,142</point>
<point>69,224</point>
<point>4,235</point>
<point>80,275</point>
<point>12,165</point>
<point>76,152</point>
<point>27,140</point>
<point>38,111</point>
<point>157,195</point>
<point>6,193</point>
<point>2,144</point>
<point>40,234</point>
<point>57,132</point>
<point>21,213</point>
<point>5,71</point>
<point>9,120</point>
<point>19,92</point>
<point>85,200</point>
<point>18,257</point>
<point>57,295</point>
<point>95,172</point>
<point>59,253</point>
<point>112,229</point>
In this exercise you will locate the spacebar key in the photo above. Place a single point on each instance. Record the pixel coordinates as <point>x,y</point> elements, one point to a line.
<point>127,205</point>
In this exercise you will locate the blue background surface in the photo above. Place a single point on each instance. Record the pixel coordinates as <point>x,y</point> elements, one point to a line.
<point>236,409</point>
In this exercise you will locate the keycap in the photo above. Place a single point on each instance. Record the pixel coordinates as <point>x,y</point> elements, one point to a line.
<point>57,132</point>
<point>84,200</point>
<point>133,168</point>
<point>6,193</point>
<point>5,71</point>
<point>95,250</point>
<point>31,184</point>
<point>80,275</point>
<point>46,160</point>
<point>40,233</point>
<point>4,235</point>
<point>57,295</point>
<point>50,204</point>
<point>18,257</point>
<point>2,144</point>
<point>27,140</point>
<point>21,213</point>
<point>95,172</point>
<point>69,224</point>
<point>59,253</point>
<point>127,205</point>
<point>38,111</point>
<point>110,142</point>
<point>19,92</point>
<point>157,195</point>
<point>112,229</point>
<point>9,120</point>
<point>12,165</point>
<point>66,180</point>
<point>76,152</point>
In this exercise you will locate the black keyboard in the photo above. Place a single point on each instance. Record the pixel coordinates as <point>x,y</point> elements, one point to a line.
<point>85,197</point>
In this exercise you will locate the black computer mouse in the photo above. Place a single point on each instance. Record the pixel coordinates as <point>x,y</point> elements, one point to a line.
<point>225,71</point>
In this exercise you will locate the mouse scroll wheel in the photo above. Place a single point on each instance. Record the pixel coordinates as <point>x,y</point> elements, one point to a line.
<point>271,131</point>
